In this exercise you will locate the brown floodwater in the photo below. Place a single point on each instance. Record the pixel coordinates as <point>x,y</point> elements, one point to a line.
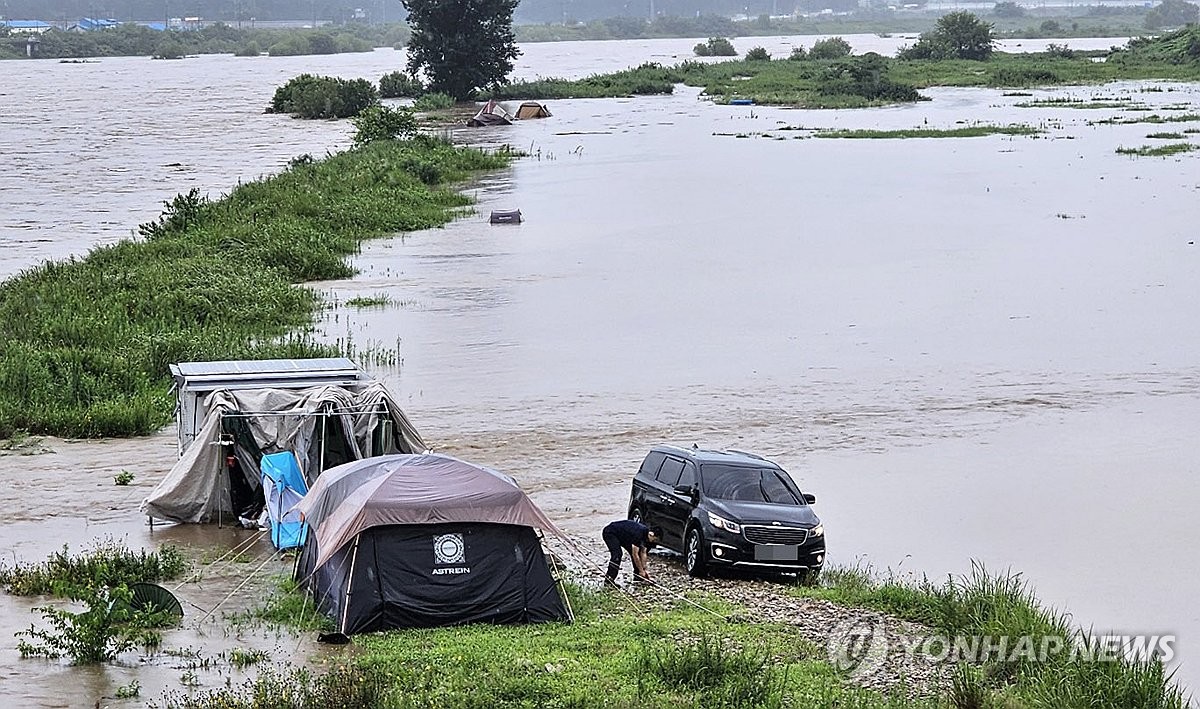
<point>968,349</point>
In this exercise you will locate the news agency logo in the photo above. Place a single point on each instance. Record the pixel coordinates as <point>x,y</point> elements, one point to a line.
<point>449,549</point>
<point>861,647</point>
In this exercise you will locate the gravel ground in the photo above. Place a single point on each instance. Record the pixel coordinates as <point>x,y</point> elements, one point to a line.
<point>875,650</point>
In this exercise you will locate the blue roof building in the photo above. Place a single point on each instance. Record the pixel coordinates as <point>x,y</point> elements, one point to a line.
<point>25,26</point>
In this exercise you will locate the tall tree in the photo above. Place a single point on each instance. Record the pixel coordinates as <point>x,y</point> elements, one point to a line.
<point>461,45</point>
<point>957,35</point>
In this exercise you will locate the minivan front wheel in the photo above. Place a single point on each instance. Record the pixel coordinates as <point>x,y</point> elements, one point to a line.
<point>635,514</point>
<point>693,553</point>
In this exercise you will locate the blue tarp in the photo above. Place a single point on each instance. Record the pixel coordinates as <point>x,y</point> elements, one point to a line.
<point>283,487</point>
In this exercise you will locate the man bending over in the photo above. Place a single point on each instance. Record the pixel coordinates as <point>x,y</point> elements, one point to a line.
<point>635,538</point>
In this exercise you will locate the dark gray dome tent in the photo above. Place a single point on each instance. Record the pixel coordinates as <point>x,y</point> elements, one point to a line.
<point>412,541</point>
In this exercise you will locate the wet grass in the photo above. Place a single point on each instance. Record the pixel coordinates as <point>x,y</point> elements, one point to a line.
<point>288,606</point>
<point>621,652</point>
<point>1158,151</point>
<point>1165,136</point>
<point>962,132</point>
<point>1004,605</point>
<point>85,342</point>
<point>615,654</point>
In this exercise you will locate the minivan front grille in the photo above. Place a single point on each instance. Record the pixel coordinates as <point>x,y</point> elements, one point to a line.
<point>775,535</point>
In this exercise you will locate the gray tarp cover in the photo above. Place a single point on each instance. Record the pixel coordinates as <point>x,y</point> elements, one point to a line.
<point>194,491</point>
<point>411,489</point>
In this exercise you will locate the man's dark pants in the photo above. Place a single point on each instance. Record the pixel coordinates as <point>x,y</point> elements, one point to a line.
<point>614,551</point>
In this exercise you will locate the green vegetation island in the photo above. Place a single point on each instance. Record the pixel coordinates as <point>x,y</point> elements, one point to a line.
<point>959,51</point>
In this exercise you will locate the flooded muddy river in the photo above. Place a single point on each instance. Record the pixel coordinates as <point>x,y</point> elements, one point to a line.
<point>968,349</point>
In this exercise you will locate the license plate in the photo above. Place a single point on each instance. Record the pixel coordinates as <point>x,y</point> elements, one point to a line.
<point>776,552</point>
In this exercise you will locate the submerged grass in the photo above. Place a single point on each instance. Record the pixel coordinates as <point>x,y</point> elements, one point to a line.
<point>962,132</point>
<point>85,342</point>
<point>1151,118</point>
<point>867,80</point>
<point>108,563</point>
<point>1158,151</point>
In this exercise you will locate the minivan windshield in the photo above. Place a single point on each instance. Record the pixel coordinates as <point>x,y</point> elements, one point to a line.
<point>744,484</point>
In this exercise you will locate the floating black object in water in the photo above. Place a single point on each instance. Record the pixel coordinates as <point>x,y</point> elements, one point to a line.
<point>152,598</point>
<point>500,216</point>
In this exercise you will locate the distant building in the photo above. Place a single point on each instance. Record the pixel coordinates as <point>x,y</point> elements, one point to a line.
<point>25,26</point>
<point>90,24</point>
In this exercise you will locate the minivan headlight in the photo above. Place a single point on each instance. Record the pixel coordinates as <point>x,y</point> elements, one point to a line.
<point>722,523</point>
<point>817,531</point>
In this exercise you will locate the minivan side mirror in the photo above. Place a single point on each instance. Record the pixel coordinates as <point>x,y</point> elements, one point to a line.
<point>810,499</point>
<point>685,490</point>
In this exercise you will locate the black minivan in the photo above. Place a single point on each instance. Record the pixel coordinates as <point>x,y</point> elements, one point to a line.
<point>728,508</point>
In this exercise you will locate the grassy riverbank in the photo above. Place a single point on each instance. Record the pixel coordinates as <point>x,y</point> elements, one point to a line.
<point>85,343</point>
<point>751,645</point>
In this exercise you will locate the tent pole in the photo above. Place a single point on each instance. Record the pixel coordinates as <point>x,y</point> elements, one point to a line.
<point>349,578</point>
<point>321,460</point>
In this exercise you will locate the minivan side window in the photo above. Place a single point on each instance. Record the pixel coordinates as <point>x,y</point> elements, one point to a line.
<point>668,474</point>
<point>650,464</point>
<point>688,477</point>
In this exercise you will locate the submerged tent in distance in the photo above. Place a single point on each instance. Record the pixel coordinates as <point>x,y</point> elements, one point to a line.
<point>218,475</point>
<point>410,541</point>
<point>532,109</point>
<point>492,114</point>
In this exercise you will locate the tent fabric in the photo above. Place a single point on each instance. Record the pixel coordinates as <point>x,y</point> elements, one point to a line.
<point>324,425</point>
<point>420,576</point>
<point>532,109</point>
<point>491,114</point>
<point>414,490</point>
<point>283,488</point>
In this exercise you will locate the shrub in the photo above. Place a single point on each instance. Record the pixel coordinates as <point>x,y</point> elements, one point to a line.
<point>865,76</point>
<point>957,35</point>
<point>399,84</point>
<point>758,54</point>
<point>106,629</point>
<point>123,478</point>
<point>383,123</point>
<point>831,48</point>
<point>249,49</point>
<point>1008,9</point>
<point>170,49</point>
<point>290,46</point>
<point>309,96</point>
<point>715,47</point>
<point>1060,51</point>
<point>798,55</point>
<point>433,102</point>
